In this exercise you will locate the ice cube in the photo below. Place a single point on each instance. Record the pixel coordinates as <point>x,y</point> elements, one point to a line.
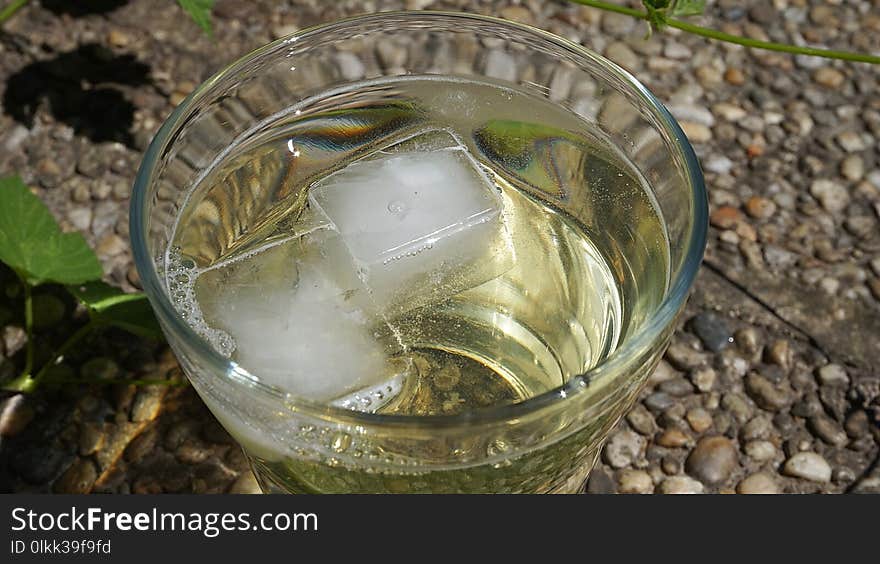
<point>421,225</point>
<point>294,327</point>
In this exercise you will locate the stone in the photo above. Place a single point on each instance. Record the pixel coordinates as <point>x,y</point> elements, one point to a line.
<point>832,375</point>
<point>632,481</point>
<point>828,77</point>
<point>712,331</point>
<point>760,450</point>
<point>853,168</point>
<point>91,437</point>
<point>677,387</point>
<point>684,357</point>
<point>851,142</point>
<point>737,406</point>
<point>673,438</point>
<point>15,414</point>
<point>641,420</point>
<point>767,395</point>
<point>600,482</point>
<point>146,404</point>
<point>857,424</point>
<point>659,401</point>
<point>828,430</point>
<point>726,217</point>
<point>712,460</point>
<point>809,466</point>
<point>78,479</point>
<point>758,483</point>
<point>680,485</point>
<point>734,76</point>
<point>697,133</point>
<point>142,445</point>
<point>623,55</point>
<point>760,208</point>
<point>780,354</point>
<point>759,427</point>
<point>624,448</point>
<point>38,464</point>
<point>699,419</point>
<point>663,372</point>
<point>830,194</point>
<point>718,164</point>
<point>703,378</point>
<point>729,112</point>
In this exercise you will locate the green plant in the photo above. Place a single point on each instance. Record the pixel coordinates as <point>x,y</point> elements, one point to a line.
<point>35,249</point>
<point>663,13</point>
<point>199,10</point>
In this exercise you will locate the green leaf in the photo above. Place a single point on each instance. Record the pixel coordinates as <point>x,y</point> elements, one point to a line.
<point>200,11</point>
<point>111,306</point>
<point>686,8</point>
<point>32,244</point>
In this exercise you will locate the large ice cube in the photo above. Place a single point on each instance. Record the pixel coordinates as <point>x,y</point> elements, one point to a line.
<point>422,221</point>
<point>294,327</point>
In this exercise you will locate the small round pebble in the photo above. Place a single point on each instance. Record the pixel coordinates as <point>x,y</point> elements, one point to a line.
<point>759,483</point>
<point>809,466</point>
<point>633,481</point>
<point>760,450</point>
<point>680,485</point>
<point>699,419</point>
<point>624,448</point>
<point>712,460</point>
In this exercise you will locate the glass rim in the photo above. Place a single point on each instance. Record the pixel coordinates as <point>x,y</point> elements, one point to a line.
<point>220,366</point>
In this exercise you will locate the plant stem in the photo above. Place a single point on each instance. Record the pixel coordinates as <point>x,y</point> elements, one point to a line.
<point>28,326</point>
<point>9,10</point>
<point>738,40</point>
<point>27,383</point>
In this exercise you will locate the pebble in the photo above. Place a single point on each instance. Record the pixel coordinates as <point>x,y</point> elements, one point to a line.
<point>623,55</point>
<point>146,404</point>
<point>832,375</point>
<point>712,460</point>
<point>718,164</point>
<point>696,114</point>
<point>78,479</point>
<point>758,427</point>
<point>767,395</point>
<point>703,378</point>
<point>830,194</point>
<point>853,168</point>
<point>726,217</point>
<point>350,65</point>
<point>760,208</point>
<point>780,354</point>
<point>696,132</point>
<point>80,217</point>
<point>734,76</point>
<point>737,406</point>
<point>624,448</point>
<point>809,466</point>
<point>712,330</point>
<point>828,430</point>
<point>758,483</point>
<point>641,420</point>
<point>600,482</point>
<point>678,387</point>
<point>632,481</point>
<point>91,437</point>
<point>851,142</point>
<point>659,401</point>
<point>15,414</point>
<point>699,419</point>
<point>828,77</point>
<point>729,112</point>
<point>673,438</point>
<point>662,372</point>
<point>760,450</point>
<point>684,357</point>
<point>856,424</point>
<point>500,65</point>
<point>38,464</point>
<point>680,485</point>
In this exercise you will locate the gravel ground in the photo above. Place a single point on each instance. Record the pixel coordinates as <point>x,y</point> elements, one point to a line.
<point>771,382</point>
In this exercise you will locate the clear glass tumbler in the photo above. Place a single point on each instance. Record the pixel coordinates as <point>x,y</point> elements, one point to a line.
<point>547,443</point>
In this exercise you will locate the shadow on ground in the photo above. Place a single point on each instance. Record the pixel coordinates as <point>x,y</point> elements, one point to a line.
<point>84,88</point>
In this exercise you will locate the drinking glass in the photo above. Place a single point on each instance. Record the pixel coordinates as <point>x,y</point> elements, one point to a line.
<point>546,443</point>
